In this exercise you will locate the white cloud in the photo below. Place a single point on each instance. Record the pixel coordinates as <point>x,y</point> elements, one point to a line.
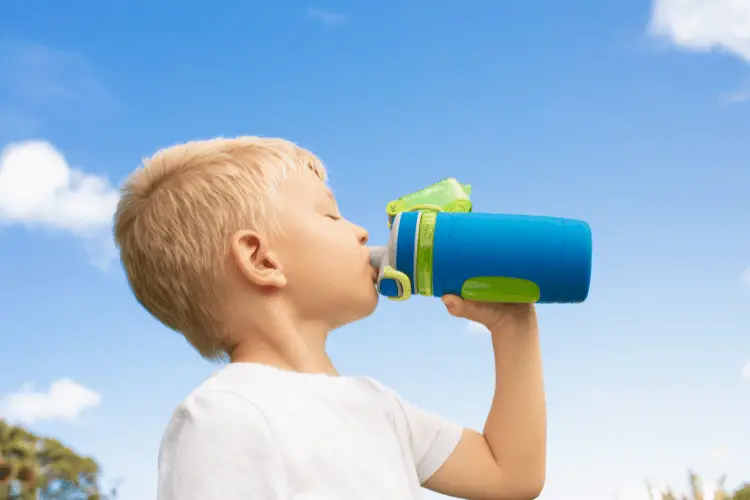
<point>38,83</point>
<point>64,400</point>
<point>746,371</point>
<point>38,75</point>
<point>745,276</point>
<point>38,188</point>
<point>326,17</point>
<point>476,328</point>
<point>737,97</point>
<point>704,25</point>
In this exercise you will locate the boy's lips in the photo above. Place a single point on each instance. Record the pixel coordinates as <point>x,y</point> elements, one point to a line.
<point>373,270</point>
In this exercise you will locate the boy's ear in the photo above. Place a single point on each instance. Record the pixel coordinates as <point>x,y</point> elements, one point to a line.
<point>254,260</point>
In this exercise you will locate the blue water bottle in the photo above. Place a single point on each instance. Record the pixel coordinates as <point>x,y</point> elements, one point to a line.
<point>485,257</point>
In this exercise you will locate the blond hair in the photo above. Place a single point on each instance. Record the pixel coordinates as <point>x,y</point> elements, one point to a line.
<point>175,217</point>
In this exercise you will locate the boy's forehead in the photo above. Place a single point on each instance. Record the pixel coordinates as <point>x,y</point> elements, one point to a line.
<point>310,187</point>
<point>322,189</point>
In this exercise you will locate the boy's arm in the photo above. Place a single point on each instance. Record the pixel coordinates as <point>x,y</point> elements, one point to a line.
<point>218,445</point>
<point>507,461</point>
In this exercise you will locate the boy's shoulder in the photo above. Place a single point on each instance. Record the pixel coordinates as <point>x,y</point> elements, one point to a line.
<point>273,414</point>
<point>257,402</point>
<point>263,390</point>
<point>256,382</point>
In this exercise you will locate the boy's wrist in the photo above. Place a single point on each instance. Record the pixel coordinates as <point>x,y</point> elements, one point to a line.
<point>511,317</point>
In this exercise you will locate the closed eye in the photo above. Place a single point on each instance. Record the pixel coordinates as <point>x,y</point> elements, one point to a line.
<point>333,217</point>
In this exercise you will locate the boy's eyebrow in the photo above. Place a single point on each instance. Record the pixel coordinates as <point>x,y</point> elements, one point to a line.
<point>330,196</point>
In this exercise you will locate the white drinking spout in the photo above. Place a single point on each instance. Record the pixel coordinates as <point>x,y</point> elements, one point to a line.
<point>377,254</point>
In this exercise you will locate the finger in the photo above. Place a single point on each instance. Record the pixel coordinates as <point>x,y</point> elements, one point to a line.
<point>452,304</point>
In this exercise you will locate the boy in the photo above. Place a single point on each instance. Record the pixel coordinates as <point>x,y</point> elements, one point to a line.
<point>239,245</point>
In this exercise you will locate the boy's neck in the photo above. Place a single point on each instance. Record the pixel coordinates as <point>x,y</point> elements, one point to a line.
<point>293,348</point>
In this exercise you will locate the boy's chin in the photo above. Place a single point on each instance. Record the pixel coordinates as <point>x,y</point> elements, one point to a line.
<point>372,305</point>
<point>367,306</point>
<point>361,309</point>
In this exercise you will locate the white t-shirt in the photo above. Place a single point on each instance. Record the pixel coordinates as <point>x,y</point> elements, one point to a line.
<point>252,432</point>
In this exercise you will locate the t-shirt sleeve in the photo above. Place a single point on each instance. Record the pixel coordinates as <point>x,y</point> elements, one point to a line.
<point>219,445</point>
<point>432,438</point>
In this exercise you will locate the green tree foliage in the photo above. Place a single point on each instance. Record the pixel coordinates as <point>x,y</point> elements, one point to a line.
<point>743,493</point>
<point>696,491</point>
<point>33,467</point>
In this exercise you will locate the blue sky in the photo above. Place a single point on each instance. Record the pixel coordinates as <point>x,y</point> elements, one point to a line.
<point>628,114</point>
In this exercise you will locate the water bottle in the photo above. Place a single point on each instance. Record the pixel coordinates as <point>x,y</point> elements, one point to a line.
<point>485,257</point>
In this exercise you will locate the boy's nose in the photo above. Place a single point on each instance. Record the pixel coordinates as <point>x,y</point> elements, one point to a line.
<point>362,235</point>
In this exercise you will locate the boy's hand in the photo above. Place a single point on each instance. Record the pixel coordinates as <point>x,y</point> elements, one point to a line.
<point>490,314</point>
<point>508,459</point>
